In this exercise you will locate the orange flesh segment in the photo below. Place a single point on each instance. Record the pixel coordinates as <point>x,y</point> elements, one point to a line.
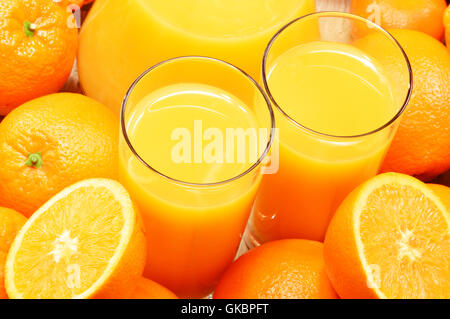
<point>406,242</point>
<point>78,234</point>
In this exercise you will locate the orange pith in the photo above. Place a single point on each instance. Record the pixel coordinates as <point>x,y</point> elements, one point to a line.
<point>85,242</point>
<point>390,238</point>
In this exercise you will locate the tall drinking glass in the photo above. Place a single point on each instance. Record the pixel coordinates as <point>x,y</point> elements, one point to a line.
<point>195,133</point>
<point>337,103</point>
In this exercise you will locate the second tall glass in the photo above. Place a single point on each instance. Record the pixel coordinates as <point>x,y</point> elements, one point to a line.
<point>338,99</point>
<point>195,132</point>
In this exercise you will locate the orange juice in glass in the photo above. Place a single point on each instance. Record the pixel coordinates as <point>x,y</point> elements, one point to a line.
<point>337,109</point>
<point>120,39</point>
<point>195,131</point>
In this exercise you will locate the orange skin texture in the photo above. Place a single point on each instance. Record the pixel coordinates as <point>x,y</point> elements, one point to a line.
<point>10,223</point>
<point>33,66</point>
<point>420,15</point>
<point>148,289</point>
<point>421,146</point>
<point>76,136</point>
<point>284,269</point>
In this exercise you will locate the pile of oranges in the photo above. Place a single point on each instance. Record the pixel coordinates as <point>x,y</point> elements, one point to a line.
<point>58,159</point>
<point>391,215</point>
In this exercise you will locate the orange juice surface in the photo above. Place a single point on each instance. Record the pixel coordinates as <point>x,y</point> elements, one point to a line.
<point>120,39</point>
<point>193,231</point>
<point>337,90</point>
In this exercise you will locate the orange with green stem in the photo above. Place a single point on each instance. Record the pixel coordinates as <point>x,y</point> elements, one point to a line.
<point>37,50</point>
<point>51,142</point>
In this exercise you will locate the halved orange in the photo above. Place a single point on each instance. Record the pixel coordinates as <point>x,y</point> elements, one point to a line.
<point>85,242</point>
<point>10,224</point>
<point>390,238</point>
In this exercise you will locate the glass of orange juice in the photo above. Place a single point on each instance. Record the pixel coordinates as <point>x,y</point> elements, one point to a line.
<point>195,133</point>
<point>337,102</point>
<point>128,36</point>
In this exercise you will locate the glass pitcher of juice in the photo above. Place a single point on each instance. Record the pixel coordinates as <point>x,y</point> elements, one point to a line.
<point>120,39</point>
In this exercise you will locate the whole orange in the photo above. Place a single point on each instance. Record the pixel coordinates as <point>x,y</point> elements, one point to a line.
<point>420,15</point>
<point>10,223</point>
<point>51,142</point>
<point>421,146</point>
<point>290,268</point>
<point>37,50</point>
<point>148,289</point>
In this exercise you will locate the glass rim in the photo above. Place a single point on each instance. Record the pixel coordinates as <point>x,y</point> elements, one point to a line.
<point>204,58</point>
<point>337,14</point>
